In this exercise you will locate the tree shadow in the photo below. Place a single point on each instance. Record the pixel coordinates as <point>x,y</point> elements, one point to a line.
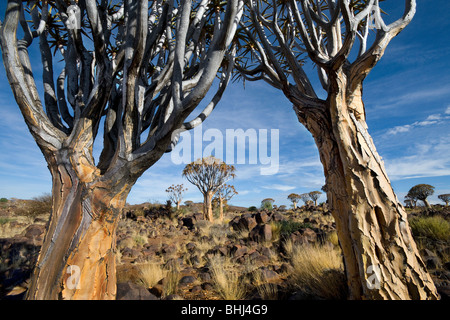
<point>18,257</point>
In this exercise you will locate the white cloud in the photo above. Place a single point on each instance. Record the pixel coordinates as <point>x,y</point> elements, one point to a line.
<point>279,187</point>
<point>399,129</point>
<point>447,111</point>
<point>432,119</point>
<point>424,160</point>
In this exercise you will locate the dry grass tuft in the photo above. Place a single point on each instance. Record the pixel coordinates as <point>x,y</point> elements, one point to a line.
<point>226,278</point>
<point>318,270</point>
<point>266,290</point>
<point>150,273</point>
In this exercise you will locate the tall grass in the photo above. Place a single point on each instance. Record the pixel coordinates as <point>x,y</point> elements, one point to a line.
<point>318,270</point>
<point>226,279</point>
<point>150,273</point>
<point>266,290</point>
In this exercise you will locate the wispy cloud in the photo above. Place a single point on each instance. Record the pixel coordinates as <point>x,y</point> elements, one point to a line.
<point>430,159</point>
<point>279,187</point>
<point>432,119</point>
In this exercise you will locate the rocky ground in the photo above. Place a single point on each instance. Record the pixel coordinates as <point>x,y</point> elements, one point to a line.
<point>169,254</point>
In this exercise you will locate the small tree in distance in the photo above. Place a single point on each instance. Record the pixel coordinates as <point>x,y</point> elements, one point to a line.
<point>421,192</point>
<point>223,194</point>
<point>305,197</point>
<point>176,193</point>
<point>208,175</point>
<point>315,195</point>
<point>445,198</point>
<point>295,198</point>
<point>267,203</point>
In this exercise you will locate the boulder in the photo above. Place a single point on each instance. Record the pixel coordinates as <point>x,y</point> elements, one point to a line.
<point>268,275</point>
<point>303,236</point>
<point>277,217</point>
<point>189,222</point>
<point>157,290</point>
<point>261,233</point>
<point>187,280</point>
<point>262,217</point>
<point>34,231</point>
<point>132,291</point>
<point>238,250</point>
<point>247,223</point>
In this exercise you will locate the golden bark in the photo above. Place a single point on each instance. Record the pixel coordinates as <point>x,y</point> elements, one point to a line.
<point>77,259</point>
<point>207,206</point>
<point>380,255</point>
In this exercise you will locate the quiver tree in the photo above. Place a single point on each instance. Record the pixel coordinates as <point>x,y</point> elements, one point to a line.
<point>342,40</point>
<point>208,175</point>
<point>315,195</point>
<point>136,69</point>
<point>421,192</point>
<point>223,195</point>
<point>445,198</point>
<point>410,203</point>
<point>294,198</point>
<point>305,197</point>
<point>175,193</point>
<point>267,203</point>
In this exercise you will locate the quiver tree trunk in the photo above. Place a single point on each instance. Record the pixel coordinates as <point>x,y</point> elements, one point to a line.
<point>77,258</point>
<point>380,256</point>
<point>151,65</point>
<point>207,206</point>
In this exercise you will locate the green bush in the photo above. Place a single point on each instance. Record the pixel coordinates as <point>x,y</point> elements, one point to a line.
<point>3,200</point>
<point>267,205</point>
<point>252,209</point>
<point>435,227</point>
<point>4,220</point>
<point>288,226</point>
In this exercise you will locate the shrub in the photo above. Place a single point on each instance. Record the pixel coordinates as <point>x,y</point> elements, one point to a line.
<point>252,209</point>
<point>435,227</point>
<point>288,226</point>
<point>333,238</point>
<point>4,220</point>
<point>3,200</point>
<point>267,205</point>
<point>37,206</point>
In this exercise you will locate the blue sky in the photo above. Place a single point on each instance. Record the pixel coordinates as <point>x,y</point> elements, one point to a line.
<point>407,99</point>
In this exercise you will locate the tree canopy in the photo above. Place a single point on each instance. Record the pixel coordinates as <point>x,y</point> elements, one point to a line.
<point>421,192</point>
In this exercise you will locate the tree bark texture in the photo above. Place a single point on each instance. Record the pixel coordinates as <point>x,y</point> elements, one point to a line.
<point>380,255</point>
<point>207,206</point>
<point>77,258</point>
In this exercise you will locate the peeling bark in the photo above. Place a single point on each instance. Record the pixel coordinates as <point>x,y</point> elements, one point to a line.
<point>380,255</point>
<point>81,237</point>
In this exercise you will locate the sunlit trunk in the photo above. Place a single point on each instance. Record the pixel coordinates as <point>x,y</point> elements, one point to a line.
<point>77,259</point>
<point>207,206</point>
<point>380,255</point>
